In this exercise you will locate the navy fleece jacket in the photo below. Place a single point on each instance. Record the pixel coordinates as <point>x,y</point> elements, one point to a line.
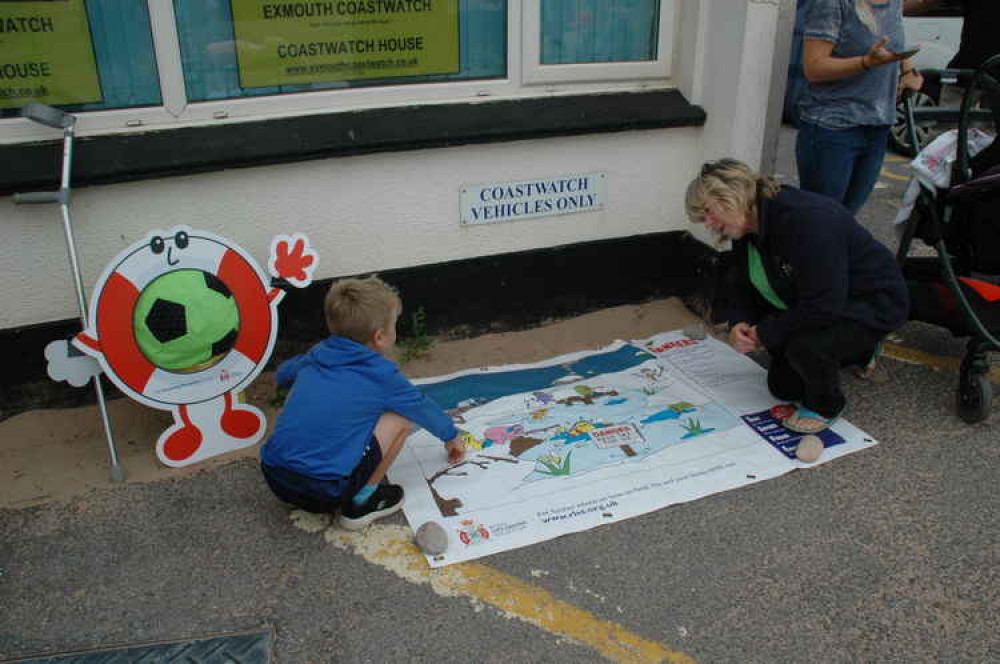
<point>340,388</point>
<point>824,266</point>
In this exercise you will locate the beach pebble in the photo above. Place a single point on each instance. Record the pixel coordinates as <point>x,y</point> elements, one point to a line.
<point>809,449</point>
<point>432,538</point>
<point>696,332</point>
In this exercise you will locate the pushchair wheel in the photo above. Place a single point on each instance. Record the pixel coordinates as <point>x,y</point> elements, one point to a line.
<point>975,393</point>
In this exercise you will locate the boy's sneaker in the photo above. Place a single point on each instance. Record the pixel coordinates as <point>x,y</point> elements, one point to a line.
<point>387,499</point>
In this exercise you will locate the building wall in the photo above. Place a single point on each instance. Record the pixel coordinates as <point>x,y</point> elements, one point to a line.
<point>362,214</point>
<point>400,209</point>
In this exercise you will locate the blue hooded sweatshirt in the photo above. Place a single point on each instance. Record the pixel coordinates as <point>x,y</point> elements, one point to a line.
<point>340,388</point>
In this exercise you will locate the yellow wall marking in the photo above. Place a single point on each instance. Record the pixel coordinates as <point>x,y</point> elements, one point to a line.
<point>392,547</point>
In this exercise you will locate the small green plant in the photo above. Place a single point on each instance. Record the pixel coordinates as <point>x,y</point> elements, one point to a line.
<point>693,428</point>
<point>418,343</point>
<point>280,394</point>
<point>555,465</point>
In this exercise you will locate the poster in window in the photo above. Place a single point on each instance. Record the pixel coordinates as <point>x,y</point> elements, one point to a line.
<point>46,53</point>
<point>289,43</point>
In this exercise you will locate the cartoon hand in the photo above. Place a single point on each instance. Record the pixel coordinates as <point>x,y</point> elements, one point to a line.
<point>293,259</point>
<point>67,363</point>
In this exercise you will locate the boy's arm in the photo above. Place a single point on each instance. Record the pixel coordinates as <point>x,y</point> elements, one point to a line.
<point>288,370</point>
<point>414,405</point>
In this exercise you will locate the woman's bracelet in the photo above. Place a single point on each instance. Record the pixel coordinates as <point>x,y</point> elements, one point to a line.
<point>864,65</point>
<point>912,70</point>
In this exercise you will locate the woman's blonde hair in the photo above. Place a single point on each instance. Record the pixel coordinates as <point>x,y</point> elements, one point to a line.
<point>357,308</point>
<point>729,182</point>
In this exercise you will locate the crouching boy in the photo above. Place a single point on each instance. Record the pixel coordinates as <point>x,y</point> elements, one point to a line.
<point>349,412</point>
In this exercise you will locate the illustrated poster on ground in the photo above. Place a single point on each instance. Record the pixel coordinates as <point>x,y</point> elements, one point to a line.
<point>595,437</point>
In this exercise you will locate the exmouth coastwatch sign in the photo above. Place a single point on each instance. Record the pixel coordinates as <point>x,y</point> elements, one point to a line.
<point>46,54</point>
<point>289,43</point>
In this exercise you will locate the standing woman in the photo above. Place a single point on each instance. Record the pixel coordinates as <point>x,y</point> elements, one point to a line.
<point>850,57</point>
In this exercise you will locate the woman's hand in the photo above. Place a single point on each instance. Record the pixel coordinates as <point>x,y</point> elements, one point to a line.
<point>819,63</point>
<point>909,78</point>
<point>743,338</point>
<point>879,55</point>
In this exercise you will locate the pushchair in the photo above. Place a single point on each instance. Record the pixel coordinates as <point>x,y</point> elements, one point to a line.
<point>959,288</point>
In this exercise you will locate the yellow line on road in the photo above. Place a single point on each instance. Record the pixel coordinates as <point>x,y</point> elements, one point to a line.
<point>894,176</point>
<point>392,548</point>
<point>913,356</point>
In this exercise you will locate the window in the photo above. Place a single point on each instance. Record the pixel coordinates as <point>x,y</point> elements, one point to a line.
<point>180,63</point>
<point>586,40</point>
<point>581,31</point>
<point>211,60</point>
<point>80,56</point>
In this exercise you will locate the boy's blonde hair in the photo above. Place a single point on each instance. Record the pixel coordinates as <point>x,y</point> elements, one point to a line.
<point>357,308</point>
<point>729,182</point>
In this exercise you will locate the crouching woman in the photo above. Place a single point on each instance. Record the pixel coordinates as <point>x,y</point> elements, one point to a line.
<point>809,284</point>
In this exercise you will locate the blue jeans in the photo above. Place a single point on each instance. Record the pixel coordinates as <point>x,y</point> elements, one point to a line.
<point>843,164</point>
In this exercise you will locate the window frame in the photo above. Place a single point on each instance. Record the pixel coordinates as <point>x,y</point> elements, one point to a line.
<point>535,73</point>
<point>524,76</point>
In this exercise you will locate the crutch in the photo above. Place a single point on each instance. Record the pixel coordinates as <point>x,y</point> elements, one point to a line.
<point>53,117</point>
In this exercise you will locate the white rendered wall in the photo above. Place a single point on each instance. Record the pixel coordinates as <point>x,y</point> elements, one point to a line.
<point>362,214</point>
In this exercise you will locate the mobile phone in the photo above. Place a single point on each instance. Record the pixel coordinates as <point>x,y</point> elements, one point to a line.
<point>908,50</point>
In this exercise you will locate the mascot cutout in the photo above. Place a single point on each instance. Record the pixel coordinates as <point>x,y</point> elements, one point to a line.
<point>184,321</point>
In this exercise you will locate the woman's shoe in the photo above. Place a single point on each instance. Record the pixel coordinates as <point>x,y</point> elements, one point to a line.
<point>808,421</point>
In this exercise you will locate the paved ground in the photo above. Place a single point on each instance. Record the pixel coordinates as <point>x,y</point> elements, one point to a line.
<point>887,555</point>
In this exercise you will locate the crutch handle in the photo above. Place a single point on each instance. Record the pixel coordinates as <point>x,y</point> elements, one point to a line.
<point>38,197</point>
<point>48,116</point>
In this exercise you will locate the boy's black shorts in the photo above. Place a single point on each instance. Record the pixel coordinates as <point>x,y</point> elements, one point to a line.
<point>322,496</point>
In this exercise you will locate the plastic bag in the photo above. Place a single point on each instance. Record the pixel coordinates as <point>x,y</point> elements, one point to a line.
<point>934,163</point>
<point>932,167</point>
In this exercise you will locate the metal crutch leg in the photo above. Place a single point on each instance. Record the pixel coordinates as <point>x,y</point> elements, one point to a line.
<point>53,117</point>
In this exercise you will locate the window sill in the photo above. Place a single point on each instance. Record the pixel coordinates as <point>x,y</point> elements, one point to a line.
<point>126,157</point>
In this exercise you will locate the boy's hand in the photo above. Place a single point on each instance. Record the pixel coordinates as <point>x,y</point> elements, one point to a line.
<point>456,449</point>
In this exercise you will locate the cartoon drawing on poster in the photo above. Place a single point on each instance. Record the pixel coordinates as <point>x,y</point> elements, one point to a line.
<point>586,439</point>
<point>583,427</point>
<point>183,321</point>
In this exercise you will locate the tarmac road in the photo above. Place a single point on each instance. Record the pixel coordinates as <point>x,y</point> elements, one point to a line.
<point>887,555</point>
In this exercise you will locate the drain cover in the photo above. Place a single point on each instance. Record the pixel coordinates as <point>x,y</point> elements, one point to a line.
<point>252,648</point>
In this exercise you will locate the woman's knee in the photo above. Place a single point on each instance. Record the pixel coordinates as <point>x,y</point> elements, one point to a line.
<point>786,386</point>
<point>806,348</point>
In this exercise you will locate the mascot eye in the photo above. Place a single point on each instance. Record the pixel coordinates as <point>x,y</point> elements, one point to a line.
<point>157,245</point>
<point>181,239</point>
